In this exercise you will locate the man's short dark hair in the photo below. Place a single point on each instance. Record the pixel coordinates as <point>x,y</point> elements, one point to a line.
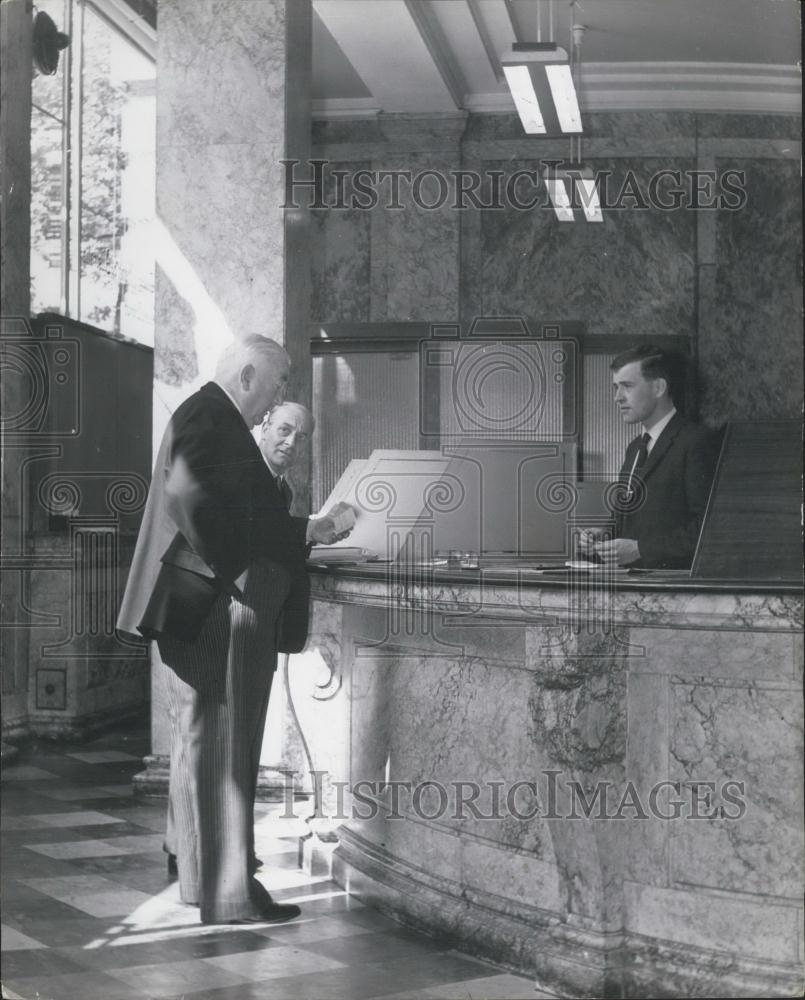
<point>654,363</point>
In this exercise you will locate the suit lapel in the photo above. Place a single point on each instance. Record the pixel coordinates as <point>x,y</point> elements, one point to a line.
<point>661,445</point>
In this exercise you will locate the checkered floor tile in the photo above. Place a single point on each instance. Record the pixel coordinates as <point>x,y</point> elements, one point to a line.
<point>88,912</point>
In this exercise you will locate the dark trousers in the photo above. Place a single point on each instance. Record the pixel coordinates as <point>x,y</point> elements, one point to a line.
<point>217,690</point>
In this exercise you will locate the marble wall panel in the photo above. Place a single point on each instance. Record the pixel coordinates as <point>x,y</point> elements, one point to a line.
<point>514,877</point>
<point>633,273</point>
<point>175,360</point>
<point>492,642</point>
<point>345,130</point>
<point>340,255</point>
<point>230,55</point>
<point>415,248</point>
<point>577,701</point>
<point>765,656</point>
<point>646,766</point>
<point>399,703</point>
<point>750,350</point>
<point>637,272</point>
<point>734,126</point>
<point>626,126</point>
<point>744,927</point>
<point>739,733</point>
<point>226,264</point>
<point>428,849</point>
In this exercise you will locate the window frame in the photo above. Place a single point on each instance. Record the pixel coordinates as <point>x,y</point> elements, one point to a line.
<point>121,18</point>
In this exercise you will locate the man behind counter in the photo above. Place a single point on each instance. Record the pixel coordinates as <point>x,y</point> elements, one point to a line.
<point>666,473</point>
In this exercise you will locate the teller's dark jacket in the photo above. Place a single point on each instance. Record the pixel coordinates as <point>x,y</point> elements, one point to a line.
<point>213,510</point>
<point>664,514</point>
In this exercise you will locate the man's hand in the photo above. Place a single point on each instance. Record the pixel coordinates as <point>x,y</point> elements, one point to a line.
<point>334,526</point>
<point>618,551</point>
<point>322,531</point>
<point>588,539</point>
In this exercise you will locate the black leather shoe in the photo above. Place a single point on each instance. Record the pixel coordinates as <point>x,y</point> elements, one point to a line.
<point>273,913</point>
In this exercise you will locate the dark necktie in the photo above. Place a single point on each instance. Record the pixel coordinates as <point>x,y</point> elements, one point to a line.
<point>642,451</point>
<point>285,492</point>
<point>640,458</point>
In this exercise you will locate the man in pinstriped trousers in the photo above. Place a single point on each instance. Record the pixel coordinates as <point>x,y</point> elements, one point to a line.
<point>218,579</point>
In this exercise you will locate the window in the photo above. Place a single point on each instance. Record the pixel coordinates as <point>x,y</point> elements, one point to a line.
<point>48,179</point>
<point>93,171</point>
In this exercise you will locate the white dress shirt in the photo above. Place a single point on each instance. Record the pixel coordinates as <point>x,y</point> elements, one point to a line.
<point>655,431</point>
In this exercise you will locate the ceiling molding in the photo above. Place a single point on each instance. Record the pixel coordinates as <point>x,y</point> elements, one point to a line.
<point>725,87</point>
<point>703,87</point>
<point>345,107</point>
<point>436,55</point>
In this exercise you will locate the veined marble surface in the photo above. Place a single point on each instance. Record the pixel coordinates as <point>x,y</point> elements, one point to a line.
<point>637,263</point>
<point>231,106</point>
<point>755,300</point>
<point>647,750</point>
<point>729,279</point>
<point>539,600</point>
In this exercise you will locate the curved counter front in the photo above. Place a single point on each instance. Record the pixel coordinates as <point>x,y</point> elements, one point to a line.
<point>598,783</point>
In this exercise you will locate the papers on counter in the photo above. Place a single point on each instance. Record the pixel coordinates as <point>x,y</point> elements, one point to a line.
<point>343,518</point>
<point>338,554</point>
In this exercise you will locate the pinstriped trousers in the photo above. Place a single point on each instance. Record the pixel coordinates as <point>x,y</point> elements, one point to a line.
<point>218,689</point>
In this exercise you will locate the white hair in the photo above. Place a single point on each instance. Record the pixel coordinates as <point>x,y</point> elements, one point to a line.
<point>245,351</point>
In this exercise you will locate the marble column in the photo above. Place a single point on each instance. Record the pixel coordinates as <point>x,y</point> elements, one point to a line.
<point>15,281</point>
<point>233,102</point>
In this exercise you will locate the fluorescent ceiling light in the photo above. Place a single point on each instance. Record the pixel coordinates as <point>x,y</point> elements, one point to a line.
<point>581,182</point>
<point>560,81</point>
<point>525,99</point>
<point>559,199</point>
<point>541,85</point>
<point>588,196</point>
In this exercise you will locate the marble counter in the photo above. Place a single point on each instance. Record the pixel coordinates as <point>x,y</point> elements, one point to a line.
<point>597,781</point>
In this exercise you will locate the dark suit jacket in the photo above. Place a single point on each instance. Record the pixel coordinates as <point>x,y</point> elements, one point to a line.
<point>213,509</point>
<point>670,497</point>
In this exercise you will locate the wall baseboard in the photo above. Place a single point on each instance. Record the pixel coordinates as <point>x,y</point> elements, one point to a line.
<point>73,729</point>
<point>570,961</point>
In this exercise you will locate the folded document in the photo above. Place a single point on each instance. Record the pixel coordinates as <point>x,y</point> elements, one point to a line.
<point>343,518</point>
<point>338,554</point>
